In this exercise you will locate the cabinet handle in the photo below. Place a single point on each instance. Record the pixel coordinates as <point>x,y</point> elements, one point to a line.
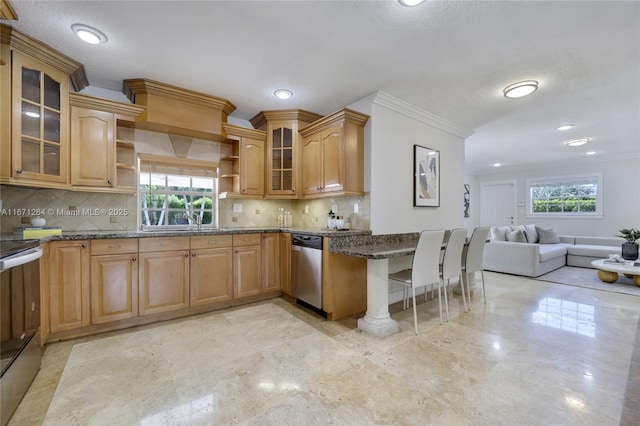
<point>186,255</point>
<point>19,171</point>
<point>133,259</point>
<point>211,242</point>
<point>113,247</point>
<point>193,255</point>
<point>235,251</point>
<point>110,182</point>
<point>83,245</point>
<point>244,190</point>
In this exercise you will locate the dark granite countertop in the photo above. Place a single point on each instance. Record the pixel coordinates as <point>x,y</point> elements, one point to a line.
<point>91,235</point>
<point>376,246</point>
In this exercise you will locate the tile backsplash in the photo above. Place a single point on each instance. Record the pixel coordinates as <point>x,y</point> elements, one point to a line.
<point>86,211</point>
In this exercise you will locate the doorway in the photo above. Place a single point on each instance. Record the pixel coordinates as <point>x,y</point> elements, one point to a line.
<point>498,203</point>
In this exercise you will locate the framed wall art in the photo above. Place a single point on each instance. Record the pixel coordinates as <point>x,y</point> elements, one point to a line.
<point>426,182</point>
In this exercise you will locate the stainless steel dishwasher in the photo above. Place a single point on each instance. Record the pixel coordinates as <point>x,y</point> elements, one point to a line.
<point>306,271</point>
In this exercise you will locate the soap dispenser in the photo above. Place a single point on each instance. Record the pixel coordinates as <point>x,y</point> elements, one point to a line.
<point>331,220</point>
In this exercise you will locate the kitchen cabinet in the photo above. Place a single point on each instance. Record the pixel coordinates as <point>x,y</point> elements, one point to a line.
<point>114,280</point>
<point>34,128</point>
<point>282,166</point>
<point>163,274</point>
<point>242,162</point>
<point>99,160</point>
<point>69,306</point>
<point>285,263</point>
<point>45,275</point>
<point>333,155</point>
<point>211,269</point>
<point>270,248</point>
<point>247,266</point>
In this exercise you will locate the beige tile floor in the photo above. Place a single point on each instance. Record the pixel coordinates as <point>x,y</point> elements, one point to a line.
<point>536,353</point>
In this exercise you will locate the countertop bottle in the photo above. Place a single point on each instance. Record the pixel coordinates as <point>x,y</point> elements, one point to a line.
<point>280,217</point>
<point>288,219</point>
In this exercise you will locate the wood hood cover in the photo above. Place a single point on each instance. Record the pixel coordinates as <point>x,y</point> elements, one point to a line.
<point>171,109</point>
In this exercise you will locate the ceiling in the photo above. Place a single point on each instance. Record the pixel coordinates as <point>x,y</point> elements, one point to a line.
<point>451,59</point>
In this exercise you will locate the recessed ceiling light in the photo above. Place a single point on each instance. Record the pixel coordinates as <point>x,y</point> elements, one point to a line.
<point>520,89</point>
<point>591,153</point>
<point>283,93</point>
<point>497,164</point>
<point>578,142</point>
<point>89,34</point>
<point>565,127</point>
<point>410,3</point>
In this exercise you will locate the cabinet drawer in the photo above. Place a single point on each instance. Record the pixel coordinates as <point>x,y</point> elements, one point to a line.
<point>211,241</point>
<point>163,244</point>
<point>246,239</point>
<point>114,246</point>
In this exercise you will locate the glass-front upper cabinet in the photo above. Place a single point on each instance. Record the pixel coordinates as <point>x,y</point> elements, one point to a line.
<point>282,160</point>
<point>40,121</point>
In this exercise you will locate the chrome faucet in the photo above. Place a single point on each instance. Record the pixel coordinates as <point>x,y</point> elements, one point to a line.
<point>193,218</point>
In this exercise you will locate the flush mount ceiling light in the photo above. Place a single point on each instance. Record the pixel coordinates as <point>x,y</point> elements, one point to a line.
<point>283,93</point>
<point>578,142</point>
<point>89,34</point>
<point>520,89</point>
<point>497,164</point>
<point>565,127</point>
<point>410,3</point>
<point>590,153</point>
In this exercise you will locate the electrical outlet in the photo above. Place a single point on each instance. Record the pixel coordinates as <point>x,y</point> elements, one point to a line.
<point>306,209</point>
<point>257,211</point>
<point>356,208</point>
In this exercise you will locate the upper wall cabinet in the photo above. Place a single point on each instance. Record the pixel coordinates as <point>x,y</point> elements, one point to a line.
<point>171,109</point>
<point>282,171</point>
<point>34,111</point>
<point>100,161</point>
<point>333,155</point>
<point>242,162</point>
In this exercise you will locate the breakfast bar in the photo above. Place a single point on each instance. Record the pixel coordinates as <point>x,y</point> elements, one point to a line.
<point>377,249</point>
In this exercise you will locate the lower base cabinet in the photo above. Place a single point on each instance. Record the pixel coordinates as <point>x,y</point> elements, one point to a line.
<point>69,285</point>
<point>114,287</point>
<point>164,281</point>
<point>247,268</point>
<point>211,276</point>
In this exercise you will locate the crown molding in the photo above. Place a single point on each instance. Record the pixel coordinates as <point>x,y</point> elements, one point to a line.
<point>411,111</point>
<point>6,11</point>
<point>260,120</point>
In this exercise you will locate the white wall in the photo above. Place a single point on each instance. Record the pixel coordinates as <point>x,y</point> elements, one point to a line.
<point>394,128</point>
<point>621,181</point>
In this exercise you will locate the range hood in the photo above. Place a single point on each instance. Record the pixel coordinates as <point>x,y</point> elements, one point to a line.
<point>174,110</point>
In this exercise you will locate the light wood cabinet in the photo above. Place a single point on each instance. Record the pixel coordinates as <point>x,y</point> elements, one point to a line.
<point>69,285</point>
<point>242,162</point>
<point>282,166</point>
<point>34,114</point>
<point>333,155</point>
<point>247,266</point>
<point>211,269</point>
<point>114,280</point>
<point>100,161</point>
<point>163,274</point>
<point>285,263</point>
<point>270,262</point>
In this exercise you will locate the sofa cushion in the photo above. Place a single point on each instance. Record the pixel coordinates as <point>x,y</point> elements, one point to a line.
<point>589,250</point>
<point>551,251</point>
<point>517,236</point>
<point>532,234</point>
<point>499,233</point>
<point>547,235</point>
<point>600,241</point>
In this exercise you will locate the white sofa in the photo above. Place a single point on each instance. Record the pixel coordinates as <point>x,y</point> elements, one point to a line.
<point>533,259</point>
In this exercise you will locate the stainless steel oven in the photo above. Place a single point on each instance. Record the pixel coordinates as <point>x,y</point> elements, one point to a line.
<point>20,351</point>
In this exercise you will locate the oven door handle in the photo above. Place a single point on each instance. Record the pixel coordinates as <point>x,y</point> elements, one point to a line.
<point>21,258</point>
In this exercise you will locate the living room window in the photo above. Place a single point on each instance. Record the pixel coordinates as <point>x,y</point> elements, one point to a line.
<point>177,193</point>
<point>566,196</point>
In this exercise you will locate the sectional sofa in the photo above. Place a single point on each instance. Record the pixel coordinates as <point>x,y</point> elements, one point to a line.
<point>532,251</point>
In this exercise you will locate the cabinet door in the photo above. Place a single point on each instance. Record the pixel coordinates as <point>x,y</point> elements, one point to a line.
<point>69,285</point>
<point>93,161</point>
<point>285,263</point>
<point>211,276</point>
<point>251,166</point>
<point>270,262</point>
<point>247,271</point>
<point>163,282</point>
<point>312,164</point>
<point>281,159</point>
<point>333,161</point>
<point>40,132</point>
<point>114,287</point>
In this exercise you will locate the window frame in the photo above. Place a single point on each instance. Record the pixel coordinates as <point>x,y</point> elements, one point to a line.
<point>596,177</point>
<point>170,166</point>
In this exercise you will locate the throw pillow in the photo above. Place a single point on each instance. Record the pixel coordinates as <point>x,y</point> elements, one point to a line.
<point>517,236</point>
<point>532,235</point>
<point>499,233</point>
<point>547,235</point>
